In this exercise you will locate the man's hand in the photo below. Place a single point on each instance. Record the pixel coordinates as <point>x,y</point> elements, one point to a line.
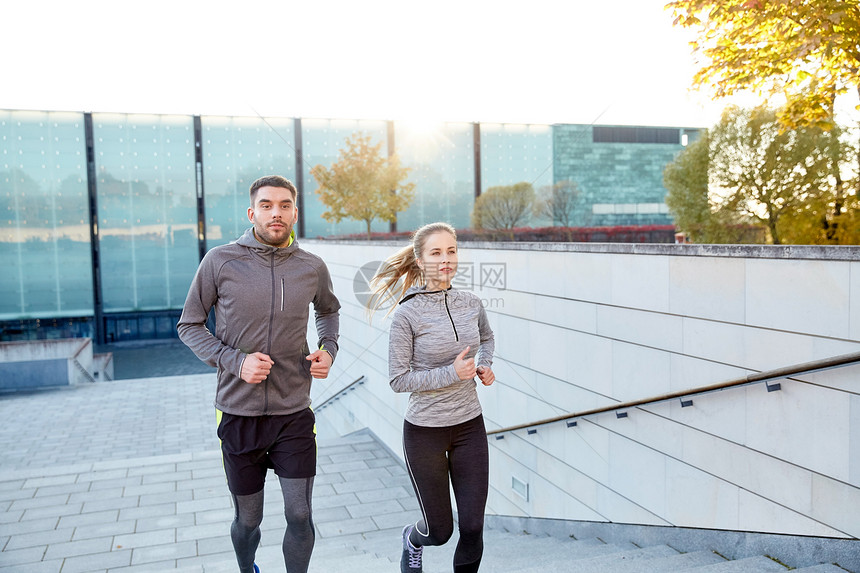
<point>320,363</point>
<point>256,367</point>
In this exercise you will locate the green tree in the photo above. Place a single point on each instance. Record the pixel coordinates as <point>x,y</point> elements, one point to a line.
<point>503,208</point>
<point>363,185</point>
<point>558,203</point>
<point>748,168</point>
<point>807,51</point>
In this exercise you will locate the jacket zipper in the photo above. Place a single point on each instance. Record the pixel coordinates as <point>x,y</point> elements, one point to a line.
<point>269,341</point>
<point>448,310</point>
<point>282,294</point>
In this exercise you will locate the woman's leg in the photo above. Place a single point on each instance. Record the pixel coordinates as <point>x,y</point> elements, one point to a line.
<point>299,536</point>
<point>245,530</point>
<point>425,450</point>
<point>469,462</point>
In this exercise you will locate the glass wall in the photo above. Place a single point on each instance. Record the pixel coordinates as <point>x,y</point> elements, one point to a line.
<point>512,153</point>
<point>322,140</point>
<point>236,152</point>
<point>442,163</point>
<point>44,226</point>
<point>147,204</point>
<point>146,191</point>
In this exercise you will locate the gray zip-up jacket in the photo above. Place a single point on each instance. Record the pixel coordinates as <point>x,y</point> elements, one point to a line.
<point>428,331</point>
<point>261,295</point>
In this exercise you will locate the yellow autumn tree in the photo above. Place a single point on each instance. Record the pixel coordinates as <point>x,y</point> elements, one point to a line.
<point>807,51</point>
<point>363,185</point>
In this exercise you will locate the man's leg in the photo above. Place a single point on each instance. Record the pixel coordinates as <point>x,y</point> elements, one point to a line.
<point>299,537</point>
<point>245,531</point>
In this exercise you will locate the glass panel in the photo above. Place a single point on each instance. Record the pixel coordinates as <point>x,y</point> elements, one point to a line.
<point>512,153</point>
<point>322,140</point>
<point>44,227</point>
<point>147,209</point>
<point>442,163</point>
<point>236,152</point>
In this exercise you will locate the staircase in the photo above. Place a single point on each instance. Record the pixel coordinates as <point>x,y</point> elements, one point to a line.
<point>509,552</point>
<point>347,549</point>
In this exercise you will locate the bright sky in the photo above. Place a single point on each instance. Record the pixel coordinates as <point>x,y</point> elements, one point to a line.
<point>533,61</point>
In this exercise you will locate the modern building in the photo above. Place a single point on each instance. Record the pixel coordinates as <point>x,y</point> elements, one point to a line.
<point>106,215</point>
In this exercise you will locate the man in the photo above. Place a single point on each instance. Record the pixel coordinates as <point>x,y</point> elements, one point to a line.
<point>261,287</point>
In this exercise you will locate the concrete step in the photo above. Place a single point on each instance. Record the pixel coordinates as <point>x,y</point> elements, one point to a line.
<point>507,552</point>
<point>757,564</point>
<point>669,564</point>
<point>616,560</point>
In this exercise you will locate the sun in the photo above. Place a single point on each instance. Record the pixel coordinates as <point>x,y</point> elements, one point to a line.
<point>422,128</point>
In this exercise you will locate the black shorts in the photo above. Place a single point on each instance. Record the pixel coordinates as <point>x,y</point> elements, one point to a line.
<point>250,445</point>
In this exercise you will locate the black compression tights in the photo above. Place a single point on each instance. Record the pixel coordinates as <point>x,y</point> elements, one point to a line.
<point>299,536</point>
<point>432,456</point>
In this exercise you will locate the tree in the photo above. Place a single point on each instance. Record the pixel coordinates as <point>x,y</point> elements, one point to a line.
<point>749,168</point>
<point>558,202</point>
<point>362,185</point>
<point>808,51</point>
<point>690,202</point>
<point>503,208</point>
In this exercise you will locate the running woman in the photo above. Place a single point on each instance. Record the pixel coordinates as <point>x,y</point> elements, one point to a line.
<point>440,340</point>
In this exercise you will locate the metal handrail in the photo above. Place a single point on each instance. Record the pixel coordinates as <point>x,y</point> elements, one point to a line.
<point>83,370</point>
<point>360,380</point>
<point>766,376</point>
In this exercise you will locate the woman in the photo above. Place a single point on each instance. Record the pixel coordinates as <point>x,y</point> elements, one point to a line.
<point>440,340</point>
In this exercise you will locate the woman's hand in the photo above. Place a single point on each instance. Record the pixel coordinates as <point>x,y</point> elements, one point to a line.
<point>485,373</point>
<point>465,367</point>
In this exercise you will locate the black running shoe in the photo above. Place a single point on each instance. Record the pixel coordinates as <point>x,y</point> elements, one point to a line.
<point>410,559</point>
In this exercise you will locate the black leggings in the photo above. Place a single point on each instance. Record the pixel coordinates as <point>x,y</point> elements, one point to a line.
<point>434,454</point>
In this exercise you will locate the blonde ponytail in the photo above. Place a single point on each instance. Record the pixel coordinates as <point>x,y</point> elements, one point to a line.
<point>400,271</point>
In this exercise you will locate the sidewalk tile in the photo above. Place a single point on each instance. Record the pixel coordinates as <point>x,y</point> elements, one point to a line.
<point>34,539</point>
<point>104,530</point>
<point>76,548</point>
<point>97,562</point>
<point>163,552</point>
<point>164,522</point>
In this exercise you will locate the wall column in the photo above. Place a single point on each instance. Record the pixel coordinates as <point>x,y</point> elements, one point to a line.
<point>93,208</point>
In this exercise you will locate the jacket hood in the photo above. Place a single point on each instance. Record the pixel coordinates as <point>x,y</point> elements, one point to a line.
<point>248,239</point>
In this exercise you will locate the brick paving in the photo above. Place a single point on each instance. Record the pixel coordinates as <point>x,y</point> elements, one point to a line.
<point>126,476</point>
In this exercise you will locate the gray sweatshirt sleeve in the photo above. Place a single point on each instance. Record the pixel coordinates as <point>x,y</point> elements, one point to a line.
<point>326,309</point>
<point>192,324</point>
<point>400,374</point>
<point>488,341</point>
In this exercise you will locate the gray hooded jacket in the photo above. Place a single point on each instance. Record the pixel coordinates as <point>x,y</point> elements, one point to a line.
<point>261,295</point>
<point>428,331</point>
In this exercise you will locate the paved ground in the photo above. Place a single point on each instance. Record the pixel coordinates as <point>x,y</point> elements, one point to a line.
<point>126,476</point>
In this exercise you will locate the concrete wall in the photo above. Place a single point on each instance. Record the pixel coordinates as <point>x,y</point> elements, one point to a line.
<point>581,326</point>
<point>43,363</point>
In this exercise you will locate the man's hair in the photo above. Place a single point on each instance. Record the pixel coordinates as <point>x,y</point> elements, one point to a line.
<point>272,181</point>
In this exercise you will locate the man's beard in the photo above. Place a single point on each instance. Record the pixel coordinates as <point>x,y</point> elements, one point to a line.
<point>276,238</point>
